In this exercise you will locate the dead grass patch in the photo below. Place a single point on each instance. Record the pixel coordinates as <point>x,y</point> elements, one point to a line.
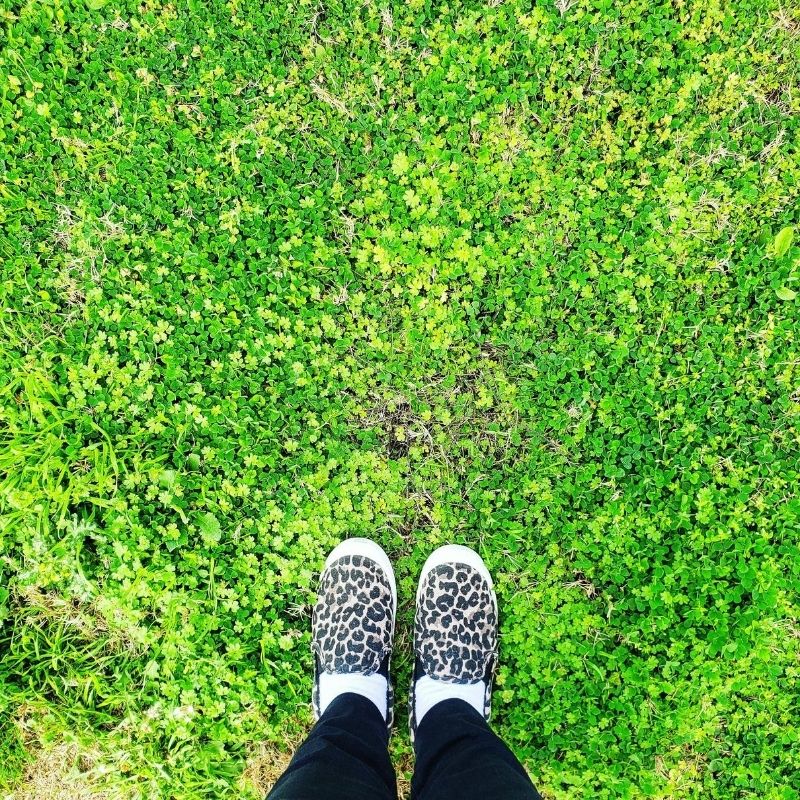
<point>326,97</point>
<point>89,620</point>
<point>65,772</point>
<point>82,239</point>
<point>267,764</point>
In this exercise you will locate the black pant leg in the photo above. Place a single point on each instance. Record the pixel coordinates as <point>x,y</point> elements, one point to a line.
<point>345,757</point>
<point>459,757</point>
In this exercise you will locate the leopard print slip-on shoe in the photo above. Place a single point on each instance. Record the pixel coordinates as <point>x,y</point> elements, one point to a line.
<point>455,631</point>
<point>353,619</point>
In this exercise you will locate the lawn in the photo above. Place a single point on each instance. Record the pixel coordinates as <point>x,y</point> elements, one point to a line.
<point>519,275</point>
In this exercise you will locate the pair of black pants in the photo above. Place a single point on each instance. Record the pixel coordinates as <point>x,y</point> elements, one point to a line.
<point>346,757</point>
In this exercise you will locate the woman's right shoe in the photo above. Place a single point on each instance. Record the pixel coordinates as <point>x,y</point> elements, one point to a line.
<point>455,633</point>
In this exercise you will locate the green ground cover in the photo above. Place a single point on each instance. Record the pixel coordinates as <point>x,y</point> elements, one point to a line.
<point>518,275</point>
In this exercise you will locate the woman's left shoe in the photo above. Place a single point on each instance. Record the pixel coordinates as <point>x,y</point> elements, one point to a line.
<point>353,626</point>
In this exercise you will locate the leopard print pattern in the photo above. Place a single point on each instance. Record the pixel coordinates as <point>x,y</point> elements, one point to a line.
<point>455,630</point>
<point>353,618</point>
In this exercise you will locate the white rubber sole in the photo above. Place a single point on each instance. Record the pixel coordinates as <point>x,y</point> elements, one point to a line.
<point>455,554</point>
<point>358,546</point>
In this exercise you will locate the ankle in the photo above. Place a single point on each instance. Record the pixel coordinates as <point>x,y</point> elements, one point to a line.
<point>373,687</point>
<point>429,692</point>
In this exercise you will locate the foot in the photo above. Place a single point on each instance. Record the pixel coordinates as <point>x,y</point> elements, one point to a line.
<point>455,633</point>
<point>353,626</point>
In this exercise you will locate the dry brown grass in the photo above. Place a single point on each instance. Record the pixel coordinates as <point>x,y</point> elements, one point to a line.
<point>90,620</point>
<point>788,19</point>
<point>80,240</point>
<point>404,767</point>
<point>326,97</point>
<point>64,772</point>
<point>267,764</point>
